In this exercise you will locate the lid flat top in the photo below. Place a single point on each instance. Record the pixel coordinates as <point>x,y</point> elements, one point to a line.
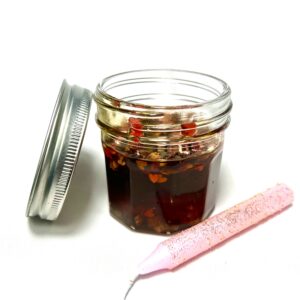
<point>60,152</point>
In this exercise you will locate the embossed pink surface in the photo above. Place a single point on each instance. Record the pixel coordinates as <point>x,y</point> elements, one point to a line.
<point>215,230</point>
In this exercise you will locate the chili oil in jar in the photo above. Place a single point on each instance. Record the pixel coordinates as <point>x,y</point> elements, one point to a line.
<point>162,133</point>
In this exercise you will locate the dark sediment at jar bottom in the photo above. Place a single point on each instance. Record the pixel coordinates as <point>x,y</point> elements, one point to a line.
<point>161,197</point>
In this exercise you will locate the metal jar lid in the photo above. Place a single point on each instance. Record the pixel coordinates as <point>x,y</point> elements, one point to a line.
<point>60,152</point>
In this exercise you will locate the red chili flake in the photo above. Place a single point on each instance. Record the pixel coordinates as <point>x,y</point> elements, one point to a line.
<point>135,123</point>
<point>199,168</point>
<point>153,177</point>
<point>141,164</point>
<point>138,219</point>
<point>162,179</point>
<point>149,213</point>
<point>108,152</point>
<point>113,165</point>
<point>189,129</point>
<point>187,166</point>
<point>136,133</point>
<point>135,127</point>
<point>121,161</point>
<point>157,178</point>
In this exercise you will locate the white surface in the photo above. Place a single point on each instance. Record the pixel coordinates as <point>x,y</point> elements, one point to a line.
<point>253,45</point>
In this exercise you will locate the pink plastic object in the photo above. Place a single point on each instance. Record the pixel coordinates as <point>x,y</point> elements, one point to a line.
<point>193,241</point>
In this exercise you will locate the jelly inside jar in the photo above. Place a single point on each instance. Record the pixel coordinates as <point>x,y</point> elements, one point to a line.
<point>161,196</point>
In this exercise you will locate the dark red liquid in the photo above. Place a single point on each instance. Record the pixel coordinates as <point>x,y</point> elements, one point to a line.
<point>161,197</point>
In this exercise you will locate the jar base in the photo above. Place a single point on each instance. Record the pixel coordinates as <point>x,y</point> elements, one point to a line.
<point>161,229</point>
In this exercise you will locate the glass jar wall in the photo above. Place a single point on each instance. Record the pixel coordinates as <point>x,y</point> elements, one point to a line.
<point>162,135</point>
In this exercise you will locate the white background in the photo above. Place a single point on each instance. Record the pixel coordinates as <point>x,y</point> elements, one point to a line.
<point>253,45</point>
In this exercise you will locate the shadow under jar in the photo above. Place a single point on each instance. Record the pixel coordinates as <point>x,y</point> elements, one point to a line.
<point>162,135</point>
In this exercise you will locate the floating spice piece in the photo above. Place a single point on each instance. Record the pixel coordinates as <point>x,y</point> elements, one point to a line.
<point>107,152</point>
<point>138,219</point>
<point>153,177</point>
<point>189,129</point>
<point>136,133</point>
<point>121,161</point>
<point>113,165</point>
<point>187,166</point>
<point>199,167</point>
<point>157,178</point>
<point>135,123</point>
<point>141,164</point>
<point>162,179</point>
<point>154,156</point>
<point>136,139</point>
<point>149,213</point>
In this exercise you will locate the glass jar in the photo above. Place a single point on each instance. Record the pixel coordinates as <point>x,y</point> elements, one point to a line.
<point>162,135</point>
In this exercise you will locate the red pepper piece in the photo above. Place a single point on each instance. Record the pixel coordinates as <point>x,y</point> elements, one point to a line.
<point>136,133</point>
<point>134,121</point>
<point>189,129</point>
<point>199,168</point>
<point>107,152</point>
<point>135,127</point>
<point>153,177</point>
<point>162,179</point>
<point>157,178</point>
<point>149,213</point>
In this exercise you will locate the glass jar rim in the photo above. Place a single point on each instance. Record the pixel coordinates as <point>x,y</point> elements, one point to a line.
<point>223,94</point>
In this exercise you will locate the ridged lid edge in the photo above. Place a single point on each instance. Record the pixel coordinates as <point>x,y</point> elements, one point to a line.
<point>60,152</point>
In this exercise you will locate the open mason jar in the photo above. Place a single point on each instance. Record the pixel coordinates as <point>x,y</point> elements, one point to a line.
<point>162,135</point>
